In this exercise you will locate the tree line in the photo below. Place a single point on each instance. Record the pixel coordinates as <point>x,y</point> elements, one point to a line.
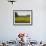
<point>16,14</point>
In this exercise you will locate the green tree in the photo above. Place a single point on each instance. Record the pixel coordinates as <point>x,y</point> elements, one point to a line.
<point>16,14</point>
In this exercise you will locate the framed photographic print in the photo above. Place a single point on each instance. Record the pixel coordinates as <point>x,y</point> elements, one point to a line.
<point>22,17</point>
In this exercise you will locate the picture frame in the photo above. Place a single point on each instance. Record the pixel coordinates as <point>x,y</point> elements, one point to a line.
<point>22,17</point>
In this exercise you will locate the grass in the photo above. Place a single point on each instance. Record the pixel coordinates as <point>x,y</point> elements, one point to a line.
<point>22,19</point>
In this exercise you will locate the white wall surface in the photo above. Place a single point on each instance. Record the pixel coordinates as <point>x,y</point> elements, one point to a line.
<point>38,30</point>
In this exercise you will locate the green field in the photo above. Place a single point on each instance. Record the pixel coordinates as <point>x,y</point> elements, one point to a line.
<point>22,19</point>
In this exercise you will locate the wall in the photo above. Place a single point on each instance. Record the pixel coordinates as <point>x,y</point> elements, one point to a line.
<point>37,31</point>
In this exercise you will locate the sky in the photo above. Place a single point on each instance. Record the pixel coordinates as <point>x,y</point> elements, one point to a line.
<point>20,13</point>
